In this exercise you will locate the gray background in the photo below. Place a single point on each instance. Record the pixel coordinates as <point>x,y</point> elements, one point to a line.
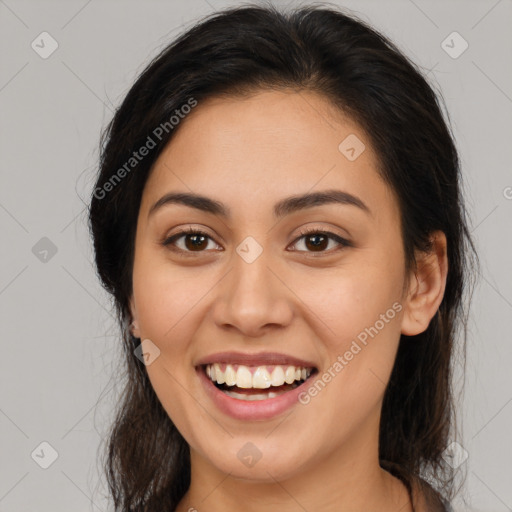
<point>60,345</point>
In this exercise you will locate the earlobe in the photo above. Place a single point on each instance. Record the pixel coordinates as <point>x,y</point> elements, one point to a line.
<point>427,286</point>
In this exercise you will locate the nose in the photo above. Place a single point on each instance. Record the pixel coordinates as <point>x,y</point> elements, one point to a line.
<point>252,298</point>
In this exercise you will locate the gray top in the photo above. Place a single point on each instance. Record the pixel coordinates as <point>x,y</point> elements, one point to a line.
<point>434,501</point>
<point>447,506</point>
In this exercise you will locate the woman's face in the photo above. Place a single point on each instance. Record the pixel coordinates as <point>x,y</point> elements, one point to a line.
<point>255,286</point>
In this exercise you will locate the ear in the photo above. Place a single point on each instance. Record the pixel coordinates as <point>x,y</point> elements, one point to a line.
<point>134,326</point>
<point>427,286</point>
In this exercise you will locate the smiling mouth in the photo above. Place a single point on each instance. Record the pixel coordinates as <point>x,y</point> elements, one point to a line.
<point>255,383</point>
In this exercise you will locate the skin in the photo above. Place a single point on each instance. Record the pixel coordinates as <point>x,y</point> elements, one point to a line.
<point>249,153</point>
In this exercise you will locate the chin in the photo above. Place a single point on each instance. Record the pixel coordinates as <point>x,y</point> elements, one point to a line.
<point>259,461</point>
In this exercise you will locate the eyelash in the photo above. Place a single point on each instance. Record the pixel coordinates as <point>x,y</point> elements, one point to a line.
<point>169,241</point>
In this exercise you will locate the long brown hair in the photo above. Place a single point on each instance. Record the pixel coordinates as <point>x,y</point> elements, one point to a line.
<point>321,49</point>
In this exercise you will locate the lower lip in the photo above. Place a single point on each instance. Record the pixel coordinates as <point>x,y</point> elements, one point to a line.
<point>250,410</point>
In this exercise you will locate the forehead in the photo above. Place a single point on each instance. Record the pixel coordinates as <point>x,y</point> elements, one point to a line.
<point>286,125</point>
<point>266,146</point>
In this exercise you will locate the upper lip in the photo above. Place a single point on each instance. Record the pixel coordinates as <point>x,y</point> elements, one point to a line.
<point>259,359</point>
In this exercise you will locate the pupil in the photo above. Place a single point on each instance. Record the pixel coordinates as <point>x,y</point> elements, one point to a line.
<point>316,244</point>
<point>194,244</point>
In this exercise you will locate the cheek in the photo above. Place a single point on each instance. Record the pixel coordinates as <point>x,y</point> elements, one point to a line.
<point>356,315</point>
<point>347,300</point>
<point>164,297</point>
<point>165,309</point>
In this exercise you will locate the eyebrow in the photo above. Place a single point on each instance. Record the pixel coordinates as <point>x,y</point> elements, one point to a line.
<point>284,207</point>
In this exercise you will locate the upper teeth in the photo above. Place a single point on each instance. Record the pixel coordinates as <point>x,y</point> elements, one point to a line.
<point>260,378</point>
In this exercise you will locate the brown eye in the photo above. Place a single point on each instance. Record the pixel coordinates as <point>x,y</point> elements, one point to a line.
<point>318,241</point>
<point>194,240</point>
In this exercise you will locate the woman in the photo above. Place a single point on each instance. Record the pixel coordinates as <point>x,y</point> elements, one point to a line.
<point>278,217</point>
